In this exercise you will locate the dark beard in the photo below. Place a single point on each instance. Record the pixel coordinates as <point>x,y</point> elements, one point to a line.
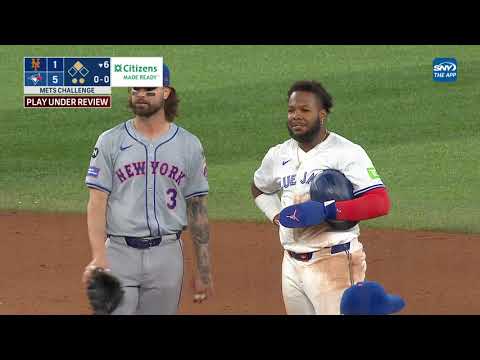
<point>147,111</point>
<point>309,136</point>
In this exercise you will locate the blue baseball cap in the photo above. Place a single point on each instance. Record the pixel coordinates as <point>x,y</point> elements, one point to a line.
<point>369,298</point>
<point>166,75</point>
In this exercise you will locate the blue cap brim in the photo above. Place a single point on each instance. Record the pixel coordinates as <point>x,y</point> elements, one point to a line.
<point>390,305</point>
<point>395,304</point>
<point>166,75</point>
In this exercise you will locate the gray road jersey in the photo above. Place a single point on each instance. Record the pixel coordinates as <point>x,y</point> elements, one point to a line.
<point>148,182</point>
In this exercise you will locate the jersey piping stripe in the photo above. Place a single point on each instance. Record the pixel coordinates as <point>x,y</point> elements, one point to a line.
<point>146,175</point>
<point>358,192</point>
<point>196,193</point>
<point>155,180</point>
<point>168,139</point>
<point>95,186</point>
<point>183,273</point>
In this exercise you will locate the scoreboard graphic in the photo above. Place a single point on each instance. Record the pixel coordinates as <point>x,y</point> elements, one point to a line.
<point>43,75</point>
<point>74,82</point>
<point>85,82</point>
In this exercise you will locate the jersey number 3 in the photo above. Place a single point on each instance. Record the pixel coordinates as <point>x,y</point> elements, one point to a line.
<point>172,201</point>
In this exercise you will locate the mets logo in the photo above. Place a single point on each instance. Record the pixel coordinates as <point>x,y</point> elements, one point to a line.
<point>35,78</point>
<point>35,64</point>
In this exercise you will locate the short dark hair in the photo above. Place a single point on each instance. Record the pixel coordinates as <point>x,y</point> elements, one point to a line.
<point>171,105</point>
<point>316,88</point>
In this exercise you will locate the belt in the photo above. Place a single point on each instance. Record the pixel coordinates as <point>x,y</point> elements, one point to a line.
<point>148,242</point>
<point>308,256</point>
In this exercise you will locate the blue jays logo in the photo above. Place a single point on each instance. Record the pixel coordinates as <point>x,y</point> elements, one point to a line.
<point>35,78</point>
<point>307,178</point>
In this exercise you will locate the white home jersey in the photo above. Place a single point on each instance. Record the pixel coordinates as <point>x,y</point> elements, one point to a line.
<point>286,168</point>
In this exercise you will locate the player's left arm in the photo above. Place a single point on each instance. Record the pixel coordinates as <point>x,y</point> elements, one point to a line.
<point>371,199</point>
<point>199,228</point>
<point>196,190</point>
<point>371,204</point>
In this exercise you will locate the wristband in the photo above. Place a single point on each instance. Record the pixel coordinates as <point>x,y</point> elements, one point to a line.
<point>269,204</point>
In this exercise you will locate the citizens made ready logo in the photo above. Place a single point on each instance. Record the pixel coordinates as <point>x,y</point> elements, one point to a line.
<point>137,71</point>
<point>135,68</point>
<point>445,69</point>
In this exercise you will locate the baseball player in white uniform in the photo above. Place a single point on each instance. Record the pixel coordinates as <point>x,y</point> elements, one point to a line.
<point>319,263</point>
<point>148,180</point>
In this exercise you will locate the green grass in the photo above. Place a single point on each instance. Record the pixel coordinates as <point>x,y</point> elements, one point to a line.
<point>421,135</point>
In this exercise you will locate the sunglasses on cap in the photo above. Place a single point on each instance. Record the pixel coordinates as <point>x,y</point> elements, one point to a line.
<point>150,91</point>
<point>146,88</point>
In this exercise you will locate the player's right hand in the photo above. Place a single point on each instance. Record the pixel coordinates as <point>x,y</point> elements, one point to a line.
<point>202,290</point>
<point>95,263</point>
<point>276,221</point>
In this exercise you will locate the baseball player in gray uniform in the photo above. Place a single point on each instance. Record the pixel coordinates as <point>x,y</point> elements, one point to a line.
<point>147,180</point>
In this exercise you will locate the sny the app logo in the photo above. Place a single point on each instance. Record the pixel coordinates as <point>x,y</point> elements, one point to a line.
<point>445,69</point>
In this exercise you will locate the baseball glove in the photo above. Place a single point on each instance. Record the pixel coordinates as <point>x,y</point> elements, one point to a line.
<point>104,292</point>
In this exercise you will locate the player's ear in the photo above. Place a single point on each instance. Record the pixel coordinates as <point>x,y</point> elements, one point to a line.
<point>323,115</point>
<point>166,92</point>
